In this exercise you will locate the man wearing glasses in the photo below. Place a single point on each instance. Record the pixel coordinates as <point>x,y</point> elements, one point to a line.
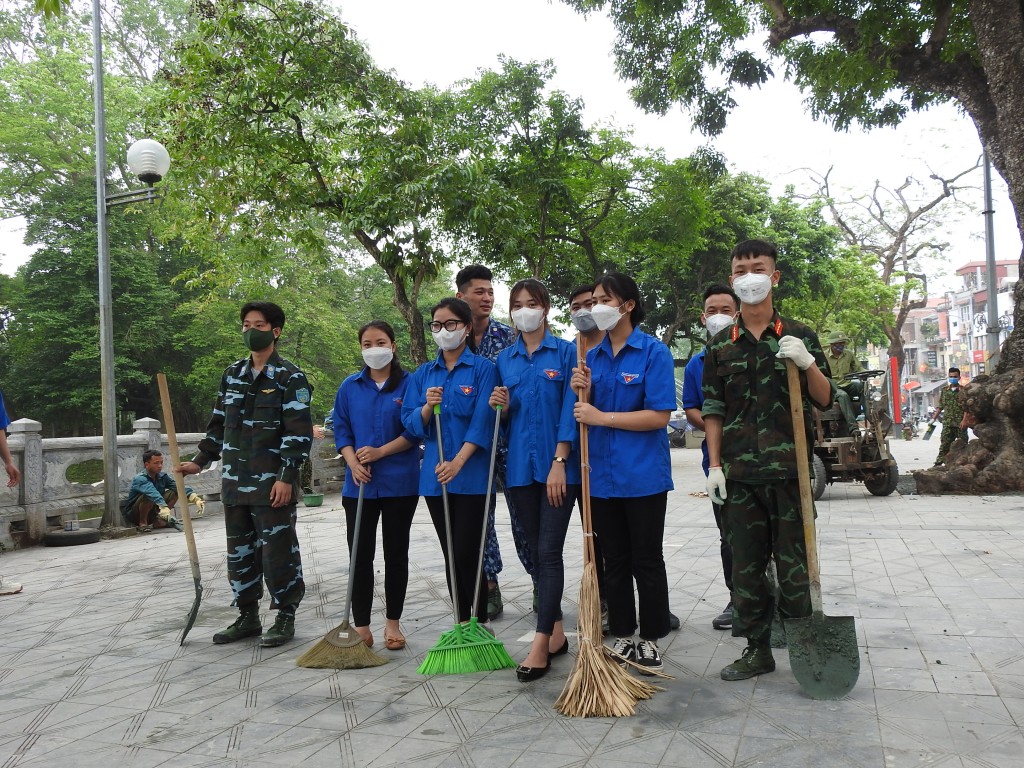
<point>262,430</point>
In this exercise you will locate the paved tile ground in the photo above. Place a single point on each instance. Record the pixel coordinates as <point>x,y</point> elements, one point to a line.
<point>91,672</point>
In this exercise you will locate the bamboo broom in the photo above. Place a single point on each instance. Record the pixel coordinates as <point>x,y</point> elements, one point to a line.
<point>598,686</point>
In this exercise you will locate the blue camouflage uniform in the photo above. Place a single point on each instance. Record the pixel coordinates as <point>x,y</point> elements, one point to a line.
<point>262,430</point>
<point>496,338</point>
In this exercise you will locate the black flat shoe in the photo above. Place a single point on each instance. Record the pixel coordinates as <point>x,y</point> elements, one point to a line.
<point>529,674</point>
<point>561,651</point>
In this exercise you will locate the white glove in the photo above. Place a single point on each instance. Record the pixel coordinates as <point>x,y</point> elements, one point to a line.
<point>793,348</point>
<point>716,485</point>
<point>164,513</point>
<point>196,499</point>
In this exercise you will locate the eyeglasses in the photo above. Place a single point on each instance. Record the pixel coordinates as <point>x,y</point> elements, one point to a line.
<point>448,325</point>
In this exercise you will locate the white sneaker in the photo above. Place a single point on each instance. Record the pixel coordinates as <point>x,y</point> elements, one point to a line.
<point>648,656</point>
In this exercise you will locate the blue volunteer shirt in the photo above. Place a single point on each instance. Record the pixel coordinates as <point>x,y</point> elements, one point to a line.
<point>628,464</point>
<point>366,415</point>
<point>540,413</point>
<point>693,395</point>
<point>465,417</point>
<point>4,421</point>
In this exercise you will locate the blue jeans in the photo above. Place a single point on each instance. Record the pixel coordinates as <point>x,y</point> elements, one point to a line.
<point>545,527</point>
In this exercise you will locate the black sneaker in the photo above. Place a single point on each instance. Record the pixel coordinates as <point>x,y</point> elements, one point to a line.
<point>624,647</point>
<point>495,607</point>
<point>724,619</point>
<point>648,656</point>
<point>604,619</point>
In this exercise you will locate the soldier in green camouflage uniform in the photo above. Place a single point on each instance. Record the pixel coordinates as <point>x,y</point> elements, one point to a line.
<point>952,415</point>
<point>752,454</point>
<point>262,430</point>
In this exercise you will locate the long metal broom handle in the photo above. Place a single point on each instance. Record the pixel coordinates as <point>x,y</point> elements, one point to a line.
<point>487,507</point>
<point>447,518</point>
<point>352,551</point>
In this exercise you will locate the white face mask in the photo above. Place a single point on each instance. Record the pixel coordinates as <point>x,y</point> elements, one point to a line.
<point>378,357</point>
<point>449,340</point>
<point>527,319</point>
<point>584,321</point>
<point>716,323</point>
<point>752,288</point>
<point>606,317</point>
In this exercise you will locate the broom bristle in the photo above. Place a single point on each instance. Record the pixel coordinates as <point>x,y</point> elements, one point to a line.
<point>464,649</point>
<point>598,686</point>
<point>326,655</point>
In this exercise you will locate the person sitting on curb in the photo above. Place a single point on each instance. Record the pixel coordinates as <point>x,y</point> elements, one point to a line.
<point>155,489</point>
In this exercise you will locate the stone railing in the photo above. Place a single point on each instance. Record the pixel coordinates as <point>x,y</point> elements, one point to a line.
<point>45,496</point>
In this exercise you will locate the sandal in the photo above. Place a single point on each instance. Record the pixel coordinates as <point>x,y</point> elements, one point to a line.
<point>144,528</point>
<point>394,642</point>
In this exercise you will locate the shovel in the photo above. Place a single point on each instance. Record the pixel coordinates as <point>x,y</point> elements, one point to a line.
<point>186,519</point>
<point>822,649</point>
<point>931,426</point>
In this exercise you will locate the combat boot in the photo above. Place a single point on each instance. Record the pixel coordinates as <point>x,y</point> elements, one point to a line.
<point>756,660</point>
<point>246,625</point>
<point>282,631</point>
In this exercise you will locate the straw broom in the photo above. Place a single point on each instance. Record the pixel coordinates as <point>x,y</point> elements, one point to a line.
<point>599,686</point>
<point>343,647</point>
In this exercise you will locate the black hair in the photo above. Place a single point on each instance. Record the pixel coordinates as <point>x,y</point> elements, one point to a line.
<point>395,372</point>
<point>716,289</point>
<point>272,313</point>
<point>461,310</point>
<point>535,288</point>
<point>585,288</point>
<point>626,289</point>
<point>754,248</point>
<point>954,369</point>
<point>150,455</point>
<point>472,272</point>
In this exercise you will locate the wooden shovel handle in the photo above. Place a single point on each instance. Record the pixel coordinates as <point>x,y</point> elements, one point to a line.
<point>803,471</point>
<point>179,479</point>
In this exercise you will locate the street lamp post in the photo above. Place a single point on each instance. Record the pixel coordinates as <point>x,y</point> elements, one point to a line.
<point>149,161</point>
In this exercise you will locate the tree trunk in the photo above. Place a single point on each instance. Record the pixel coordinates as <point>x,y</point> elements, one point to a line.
<point>994,462</point>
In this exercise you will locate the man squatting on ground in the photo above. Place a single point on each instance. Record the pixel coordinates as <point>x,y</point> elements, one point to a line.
<point>154,489</point>
<point>751,450</point>
<point>262,430</point>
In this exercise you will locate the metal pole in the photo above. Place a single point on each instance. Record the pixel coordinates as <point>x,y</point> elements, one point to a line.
<point>107,401</point>
<point>992,340</point>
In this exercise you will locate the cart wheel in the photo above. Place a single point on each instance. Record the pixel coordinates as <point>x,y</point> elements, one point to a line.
<point>71,538</point>
<point>820,478</point>
<point>885,482</point>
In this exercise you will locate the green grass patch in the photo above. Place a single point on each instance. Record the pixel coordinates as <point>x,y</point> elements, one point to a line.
<point>86,472</point>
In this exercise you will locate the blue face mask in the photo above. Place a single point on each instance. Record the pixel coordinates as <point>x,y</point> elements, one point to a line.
<point>954,382</point>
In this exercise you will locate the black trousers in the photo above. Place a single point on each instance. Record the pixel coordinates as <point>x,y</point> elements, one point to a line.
<point>467,519</point>
<point>395,514</point>
<point>631,531</point>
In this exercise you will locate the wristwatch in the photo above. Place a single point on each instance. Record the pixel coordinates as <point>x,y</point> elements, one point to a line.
<point>560,460</point>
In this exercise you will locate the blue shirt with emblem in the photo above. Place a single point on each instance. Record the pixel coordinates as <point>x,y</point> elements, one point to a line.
<point>693,395</point>
<point>465,418</point>
<point>367,415</point>
<point>626,464</point>
<point>540,413</point>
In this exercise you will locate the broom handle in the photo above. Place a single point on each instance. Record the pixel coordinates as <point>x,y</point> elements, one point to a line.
<point>179,479</point>
<point>588,526</point>
<point>487,508</point>
<point>352,551</point>
<point>796,410</point>
<point>447,518</point>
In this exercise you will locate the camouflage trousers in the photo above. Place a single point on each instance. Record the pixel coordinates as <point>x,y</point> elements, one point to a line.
<point>763,521</point>
<point>950,434</point>
<point>492,555</point>
<point>263,546</point>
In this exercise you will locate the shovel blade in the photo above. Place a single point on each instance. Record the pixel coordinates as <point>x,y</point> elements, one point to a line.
<point>823,654</point>
<point>929,432</point>
<point>192,614</point>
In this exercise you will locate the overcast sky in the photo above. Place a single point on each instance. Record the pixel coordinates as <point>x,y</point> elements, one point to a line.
<point>770,134</point>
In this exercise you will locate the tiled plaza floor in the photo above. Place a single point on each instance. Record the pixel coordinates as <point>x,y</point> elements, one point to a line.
<point>91,672</point>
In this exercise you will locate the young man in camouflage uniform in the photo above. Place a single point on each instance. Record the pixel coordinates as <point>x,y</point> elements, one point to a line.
<point>474,286</point>
<point>751,450</point>
<point>262,430</point>
<point>952,415</point>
